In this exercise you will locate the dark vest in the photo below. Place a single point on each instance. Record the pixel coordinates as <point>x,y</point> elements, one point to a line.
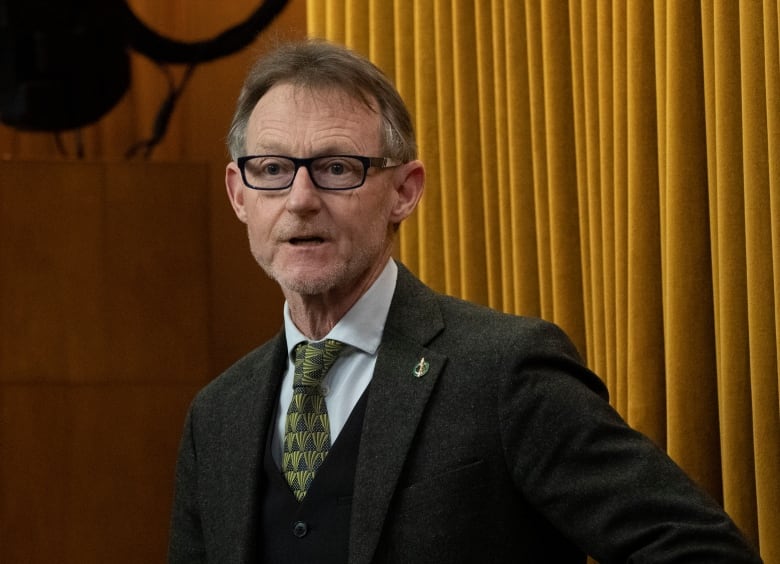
<point>315,530</point>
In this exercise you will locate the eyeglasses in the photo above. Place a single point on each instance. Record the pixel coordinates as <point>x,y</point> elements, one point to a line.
<point>332,172</point>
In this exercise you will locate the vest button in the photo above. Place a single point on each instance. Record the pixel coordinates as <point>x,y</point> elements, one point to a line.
<point>300,529</point>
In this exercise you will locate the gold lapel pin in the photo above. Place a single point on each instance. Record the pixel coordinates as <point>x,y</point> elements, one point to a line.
<point>421,369</point>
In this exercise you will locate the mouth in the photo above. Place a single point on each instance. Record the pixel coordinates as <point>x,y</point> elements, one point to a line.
<point>304,241</point>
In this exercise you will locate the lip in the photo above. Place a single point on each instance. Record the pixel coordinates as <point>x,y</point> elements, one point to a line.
<point>305,241</point>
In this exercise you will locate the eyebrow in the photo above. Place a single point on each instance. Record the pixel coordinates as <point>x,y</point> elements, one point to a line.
<point>275,149</point>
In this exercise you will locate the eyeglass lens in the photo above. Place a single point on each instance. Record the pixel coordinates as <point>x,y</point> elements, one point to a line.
<point>334,172</point>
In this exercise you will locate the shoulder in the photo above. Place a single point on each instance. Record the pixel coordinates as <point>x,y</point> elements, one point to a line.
<point>243,376</point>
<point>484,326</point>
<point>473,335</point>
<point>474,325</point>
<point>518,341</point>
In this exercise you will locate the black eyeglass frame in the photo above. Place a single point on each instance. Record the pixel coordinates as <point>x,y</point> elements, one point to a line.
<point>368,162</point>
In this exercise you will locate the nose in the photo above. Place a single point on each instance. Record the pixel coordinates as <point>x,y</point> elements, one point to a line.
<point>304,197</point>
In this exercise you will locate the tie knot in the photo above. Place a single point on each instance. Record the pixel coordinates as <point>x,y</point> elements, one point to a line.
<point>313,360</point>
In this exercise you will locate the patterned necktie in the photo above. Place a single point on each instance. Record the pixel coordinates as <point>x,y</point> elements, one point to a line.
<point>307,431</point>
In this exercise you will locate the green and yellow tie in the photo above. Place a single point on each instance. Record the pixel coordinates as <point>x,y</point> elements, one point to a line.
<point>307,431</point>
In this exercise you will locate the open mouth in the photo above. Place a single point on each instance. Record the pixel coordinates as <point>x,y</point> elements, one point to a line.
<point>306,240</point>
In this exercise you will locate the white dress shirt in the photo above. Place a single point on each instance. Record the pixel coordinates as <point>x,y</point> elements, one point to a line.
<point>361,329</point>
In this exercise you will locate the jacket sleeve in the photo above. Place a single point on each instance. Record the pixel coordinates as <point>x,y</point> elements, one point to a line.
<point>604,485</point>
<point>186,542</point>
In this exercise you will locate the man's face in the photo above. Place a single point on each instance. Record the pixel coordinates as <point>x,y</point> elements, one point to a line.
<point>316,242</point>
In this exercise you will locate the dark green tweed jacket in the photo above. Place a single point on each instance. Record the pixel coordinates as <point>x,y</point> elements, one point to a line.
<point>505,450</point>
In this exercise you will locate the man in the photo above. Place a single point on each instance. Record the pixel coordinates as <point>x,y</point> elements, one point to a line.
<point>448,432</point>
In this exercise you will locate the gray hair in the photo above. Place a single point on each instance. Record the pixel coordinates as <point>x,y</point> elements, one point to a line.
<point>319,65</point>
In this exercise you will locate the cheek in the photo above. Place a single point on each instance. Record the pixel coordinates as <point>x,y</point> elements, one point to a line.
<point>361,229</point>
<point>258,230</point>
<point>368,215</point>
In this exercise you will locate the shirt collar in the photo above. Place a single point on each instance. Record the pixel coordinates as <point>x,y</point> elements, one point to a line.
<point>362,326</point>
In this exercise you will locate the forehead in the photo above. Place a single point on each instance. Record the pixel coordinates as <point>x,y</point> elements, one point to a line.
<point>312,119</point>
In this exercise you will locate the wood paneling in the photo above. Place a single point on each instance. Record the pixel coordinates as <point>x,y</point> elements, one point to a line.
<point>104,258</point>
<point>245,307</point>
<point>104,339</point>
<point>87,471</point>
<point>123,289</point>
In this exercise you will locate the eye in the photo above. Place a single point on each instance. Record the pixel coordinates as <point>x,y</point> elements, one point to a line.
<point>336,168</point>
<point>337,172</point>
<point>268,172</point>
<point>273,166</point>
<point>265,167</point>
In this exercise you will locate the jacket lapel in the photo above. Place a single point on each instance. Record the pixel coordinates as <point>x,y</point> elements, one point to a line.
<point>405,374</point>
<point>252,409</point>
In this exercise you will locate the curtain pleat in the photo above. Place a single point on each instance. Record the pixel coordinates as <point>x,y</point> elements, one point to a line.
<point>468,184</point>
<point>688,328</point>
<point>427,224</point>
<point>445,115</point>
<point>524,277</point>
<point>606,102</point>
<point>539,198</point>
<point>758,246</point>
<point>495,36</point>
<point>487,76</point>
<point>640,212</point>
<point>761,302</point>
<point>357,26</point>
<point>613,167</point>
<point>585,144</point>
<point>566,279</point>
<point>764,372</point>
<point>315,19</point>
<point>727,190</point>
<point>619,212</point>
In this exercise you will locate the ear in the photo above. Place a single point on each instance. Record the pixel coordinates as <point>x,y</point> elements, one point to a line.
<point>235,190</point>
<point>409,189</point>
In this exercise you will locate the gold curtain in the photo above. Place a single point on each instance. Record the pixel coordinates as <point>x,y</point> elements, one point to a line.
<point>613,167</point>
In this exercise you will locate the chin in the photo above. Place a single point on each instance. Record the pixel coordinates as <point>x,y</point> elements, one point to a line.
<point>304,286</point>
<point>307,282</point>
<point>318,277</point>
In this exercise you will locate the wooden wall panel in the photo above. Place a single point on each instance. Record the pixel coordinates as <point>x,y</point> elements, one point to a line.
<point>246,307</point>
<point>88,471</point>
<point>104,339</point>
<point>123,289</point>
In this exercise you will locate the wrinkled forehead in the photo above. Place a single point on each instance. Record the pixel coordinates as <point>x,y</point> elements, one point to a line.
<point>328,99</point>
<point>290,113</point>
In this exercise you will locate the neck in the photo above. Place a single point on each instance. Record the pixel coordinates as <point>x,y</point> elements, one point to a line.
<point>315,315</point>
